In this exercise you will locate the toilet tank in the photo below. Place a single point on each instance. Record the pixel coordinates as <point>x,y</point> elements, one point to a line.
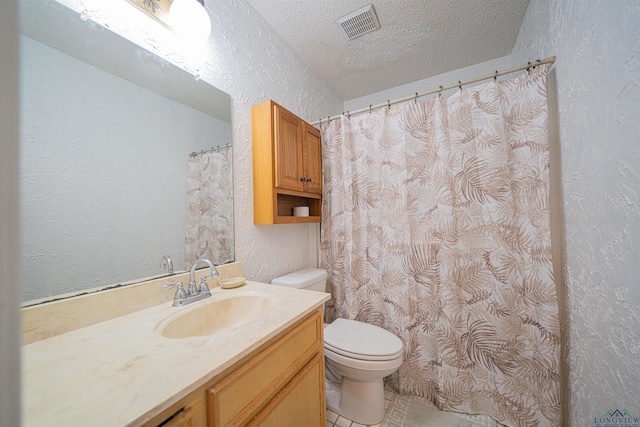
<point>313,279</point>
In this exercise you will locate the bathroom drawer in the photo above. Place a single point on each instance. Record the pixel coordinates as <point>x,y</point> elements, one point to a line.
<point>238,397</point>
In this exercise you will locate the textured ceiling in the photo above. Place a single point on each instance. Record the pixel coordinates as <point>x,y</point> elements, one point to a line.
<point>417,38</point>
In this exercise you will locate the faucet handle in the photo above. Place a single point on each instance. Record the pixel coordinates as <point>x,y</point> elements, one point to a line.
<point>180,292</point>
<point>204,288</point>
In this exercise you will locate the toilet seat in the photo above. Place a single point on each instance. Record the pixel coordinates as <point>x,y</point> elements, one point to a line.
<point>362,341</point>
<point>363,369</point>
<point>364,357</point>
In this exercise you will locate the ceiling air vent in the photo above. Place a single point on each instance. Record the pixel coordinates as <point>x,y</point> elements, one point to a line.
<point>360,22</point>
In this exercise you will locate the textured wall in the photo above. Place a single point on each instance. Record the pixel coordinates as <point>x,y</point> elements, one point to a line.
<point>597,44</point>
<point>253,64</point>
<point>430,83</point>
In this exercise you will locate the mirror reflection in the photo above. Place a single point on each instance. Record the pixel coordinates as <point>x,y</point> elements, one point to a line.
<point>107,183</point>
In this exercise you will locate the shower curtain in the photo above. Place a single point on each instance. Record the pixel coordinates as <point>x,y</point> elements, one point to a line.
<point>436,227</point>
<point>210,208</point>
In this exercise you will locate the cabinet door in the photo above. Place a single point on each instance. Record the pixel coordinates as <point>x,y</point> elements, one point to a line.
<point>245,391</point>
<point>188,412</point>
<point>184,418</point>
<point>300,403</point>
<point>288,150</point>
<point>312,159</point>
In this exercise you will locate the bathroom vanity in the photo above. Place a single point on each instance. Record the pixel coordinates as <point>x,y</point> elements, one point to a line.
<point>266,371</point>
<point>279,384</point>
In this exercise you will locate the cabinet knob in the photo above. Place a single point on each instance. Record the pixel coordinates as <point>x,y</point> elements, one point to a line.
<point>302,179</point>
<point>308,179</point>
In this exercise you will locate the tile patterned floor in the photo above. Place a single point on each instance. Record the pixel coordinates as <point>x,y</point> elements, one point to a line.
<point>335,420</point>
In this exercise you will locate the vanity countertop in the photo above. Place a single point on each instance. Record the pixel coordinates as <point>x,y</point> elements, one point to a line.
<point>122,371</point>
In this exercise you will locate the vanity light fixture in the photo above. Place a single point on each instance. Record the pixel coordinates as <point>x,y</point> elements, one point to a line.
<point>187,18</point>
<point>190,19</point>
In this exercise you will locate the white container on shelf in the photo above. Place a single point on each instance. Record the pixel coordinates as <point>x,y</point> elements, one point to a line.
<point>301,211</point>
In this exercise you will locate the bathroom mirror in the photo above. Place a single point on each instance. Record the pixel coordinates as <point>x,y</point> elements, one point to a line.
<point>105,136</point>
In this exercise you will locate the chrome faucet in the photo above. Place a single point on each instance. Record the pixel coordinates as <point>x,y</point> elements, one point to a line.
<point>195,293</point>
<point>193,289</point>
<point>166,262</point>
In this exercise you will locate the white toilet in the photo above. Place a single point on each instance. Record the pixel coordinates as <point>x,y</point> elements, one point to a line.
<point>357,357</point>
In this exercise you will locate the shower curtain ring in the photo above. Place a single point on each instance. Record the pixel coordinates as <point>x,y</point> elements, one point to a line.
<point>495,78</point>
<point>460,84</point>
<point>348,115</point>
<point>440,92</point>
<point>416,100</point>
<point>388,104</point>
<point>370,109</point>
<point>529,67</point>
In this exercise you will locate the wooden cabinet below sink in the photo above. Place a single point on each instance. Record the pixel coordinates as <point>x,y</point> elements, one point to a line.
<point>279,384</point>
<point>298,403</point>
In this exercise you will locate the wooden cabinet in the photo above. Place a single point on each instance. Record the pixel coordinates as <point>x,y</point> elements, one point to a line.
<point>279,384</point>
<point>312,159</point>
<point>188,412</point>
<point>182,418</point>
<point>287,166</point>
<point>237,398</point>
<point>298,403</point>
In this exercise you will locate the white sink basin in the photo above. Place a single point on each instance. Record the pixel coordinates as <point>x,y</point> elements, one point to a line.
<point>216,316</point>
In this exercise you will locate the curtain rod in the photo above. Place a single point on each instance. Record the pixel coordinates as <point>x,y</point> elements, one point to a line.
<point>527,66</point>
<point>212,149</point>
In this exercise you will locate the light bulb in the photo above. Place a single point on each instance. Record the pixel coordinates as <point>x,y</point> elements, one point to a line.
<point>189,18</point>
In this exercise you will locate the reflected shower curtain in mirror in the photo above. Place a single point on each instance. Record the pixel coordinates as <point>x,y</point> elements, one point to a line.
<point>436,227</point>
<point>210,208</point>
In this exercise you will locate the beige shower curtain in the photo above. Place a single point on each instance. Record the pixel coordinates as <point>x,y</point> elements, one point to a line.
<point>436,227</point>
<point>210,208</point>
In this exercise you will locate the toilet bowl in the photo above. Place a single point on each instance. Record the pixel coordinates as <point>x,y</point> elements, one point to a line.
<point>357,357</point>
<point>361,355</point>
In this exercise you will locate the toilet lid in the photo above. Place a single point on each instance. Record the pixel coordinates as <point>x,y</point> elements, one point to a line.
<point>361,340</point>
